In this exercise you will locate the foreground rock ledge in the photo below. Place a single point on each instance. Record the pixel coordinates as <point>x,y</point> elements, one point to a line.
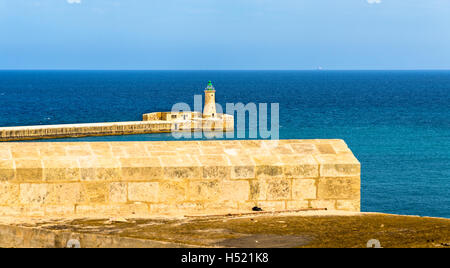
<point>314,229</point>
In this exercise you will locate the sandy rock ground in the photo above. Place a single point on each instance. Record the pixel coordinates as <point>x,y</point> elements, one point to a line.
<point>254,230</point>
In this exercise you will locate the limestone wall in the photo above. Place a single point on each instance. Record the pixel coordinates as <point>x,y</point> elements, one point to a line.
<point>180,177</point>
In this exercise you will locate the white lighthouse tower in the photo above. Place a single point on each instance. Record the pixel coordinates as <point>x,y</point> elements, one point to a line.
<point>210,101</point>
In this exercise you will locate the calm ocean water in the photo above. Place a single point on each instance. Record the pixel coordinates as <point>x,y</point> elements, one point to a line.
<point>397,123</point>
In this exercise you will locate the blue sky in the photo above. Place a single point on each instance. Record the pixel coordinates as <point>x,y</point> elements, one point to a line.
<point>224,34</point>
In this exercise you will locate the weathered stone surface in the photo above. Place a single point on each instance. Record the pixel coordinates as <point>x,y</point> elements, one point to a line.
<point>235,190</point>
<point>118,192</point>
<point>5,153</point>
<point>176,177</point>
<point>242,166</point>
<point>61,169</point>
<point>272,205</point>
<point>181,167</point>
<point>215,166</point>
<point>304,189</point>
<point>59,210</point>
<point>94,192</point>
<point>205,190</point>
<point>321,204</point>
<point>172,191</point>
<point>300,166</point>
<point>339,188</point>
<point>6,170</point>
<point>9,193</point>
<point>278,189</point>
<point>297,204</point>
<point>128,210</point>
<point>348,205</point>
<point>28,170</point>
<point>258,189</point>
<point>141,169</point>
<point>33,193</point>
<point>338,165</point>
<point>63,193</point>
<point>143,191</point>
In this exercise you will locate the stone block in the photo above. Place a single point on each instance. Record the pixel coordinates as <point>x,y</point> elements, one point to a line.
<point>77,150</point>
<point>52,151</point>
<point>258,189</point>
<point>125,210</point>
<point>7,170</point>
<point>264,171</point>
<point>215,166</point>
<point>179,209</point>
<point>272,205</point>
<point>63,193</point>
<point>28,170</point>
<point>97,168</point>
<point>339,165</point>
<point>5,153</point>
<point>323,204</point>
<point>339,188</point>
<point>101,149</point>
<point>340,146</point>
<point>243,172</point>
<point>297,204</point>
<point>278,189</point>
<point>118,192</point>
<point>348,205</point>
<point>204,190</point>
<point>135,209</point>
<point>300,166</point>
<point>235,190</point>
<point>216,150</point>
<point>181,167</point>
<point>270,189</point>
<point>24,152</point>
<point>246,206</point>
<point>193,172</point>
<point>94,192</point>
<point>172,191</point>
<point>242,166</point>
<point>136,150</point>
<point>325,149</point>
<point>33,193</point>
<point>278,148</point>
<point>9,193</point>
<point>143,191</point>
<point>59,210</point>
<point>304,148</point>
<point>141,169</point>
<point>304,189</point>
<point>61,169</point>
<point>221,207</point>
<point>11,211</point>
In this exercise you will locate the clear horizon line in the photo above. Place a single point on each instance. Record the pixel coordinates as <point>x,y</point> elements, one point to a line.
<point>318,70</point>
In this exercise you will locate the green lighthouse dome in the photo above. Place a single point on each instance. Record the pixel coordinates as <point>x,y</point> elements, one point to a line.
<point>210,86</point>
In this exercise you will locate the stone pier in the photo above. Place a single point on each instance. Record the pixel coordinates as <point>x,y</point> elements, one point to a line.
<point>151,124</point>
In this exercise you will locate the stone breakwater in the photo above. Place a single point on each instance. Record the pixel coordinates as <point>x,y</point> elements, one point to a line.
<point>139,179</point>
<point>149,125</point>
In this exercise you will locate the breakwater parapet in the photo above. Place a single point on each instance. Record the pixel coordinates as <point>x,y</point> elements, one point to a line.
<point>176,177</point>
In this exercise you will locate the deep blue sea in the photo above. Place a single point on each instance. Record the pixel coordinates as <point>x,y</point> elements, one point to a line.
<point>397,123</point>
